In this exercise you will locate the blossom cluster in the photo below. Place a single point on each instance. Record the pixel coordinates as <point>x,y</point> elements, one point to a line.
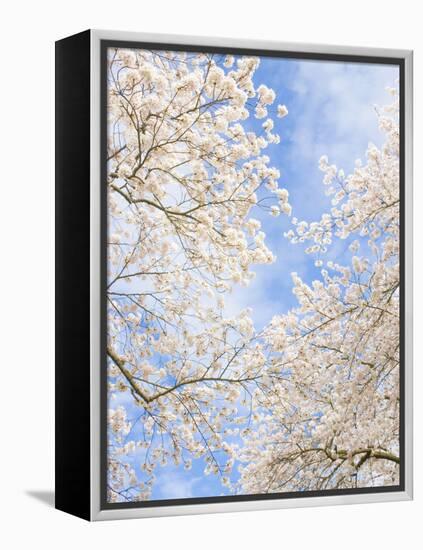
<point>184,179</point>
<point>332,418</point>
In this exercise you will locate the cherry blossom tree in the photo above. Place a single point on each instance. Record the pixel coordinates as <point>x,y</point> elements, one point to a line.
<point>184,177</point>
<point>311,402</point>
<point>329,417</point>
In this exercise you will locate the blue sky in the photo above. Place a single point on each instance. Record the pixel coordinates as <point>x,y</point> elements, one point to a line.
<point>331,111</point>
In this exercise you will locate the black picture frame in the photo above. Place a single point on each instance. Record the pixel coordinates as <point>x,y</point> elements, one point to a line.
<point>76,479</point>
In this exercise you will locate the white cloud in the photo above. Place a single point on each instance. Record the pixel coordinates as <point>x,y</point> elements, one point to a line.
<point>174,485</point>
<point>336,108</point>
<point>270,292</point>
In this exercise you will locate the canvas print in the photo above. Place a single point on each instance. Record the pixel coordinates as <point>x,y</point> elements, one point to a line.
<point>253,275</point>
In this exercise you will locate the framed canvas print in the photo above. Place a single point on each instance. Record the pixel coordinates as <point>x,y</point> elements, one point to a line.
<point>233,277</point>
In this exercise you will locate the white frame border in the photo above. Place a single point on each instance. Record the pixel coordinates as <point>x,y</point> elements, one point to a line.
<point>155,511</point>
